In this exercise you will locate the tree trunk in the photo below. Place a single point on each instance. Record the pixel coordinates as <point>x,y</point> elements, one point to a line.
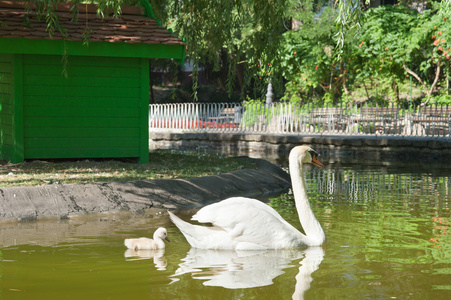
<point>427,90</point>
<point>395,90</point>
<point>240,75</point>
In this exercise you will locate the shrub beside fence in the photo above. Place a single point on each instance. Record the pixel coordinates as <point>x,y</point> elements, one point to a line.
<point>287,118</point>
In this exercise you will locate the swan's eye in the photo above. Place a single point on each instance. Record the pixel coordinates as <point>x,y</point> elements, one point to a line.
<point>313,153</point>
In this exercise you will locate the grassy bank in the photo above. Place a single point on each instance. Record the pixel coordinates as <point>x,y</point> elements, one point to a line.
<point>162,165</point>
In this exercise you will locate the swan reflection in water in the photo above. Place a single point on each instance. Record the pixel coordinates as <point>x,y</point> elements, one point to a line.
<point>158,257</point>
<point>249,269</point>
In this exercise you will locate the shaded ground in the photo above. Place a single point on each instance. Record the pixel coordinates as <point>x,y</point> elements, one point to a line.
<point>66,200</point>
<point>162,165</point>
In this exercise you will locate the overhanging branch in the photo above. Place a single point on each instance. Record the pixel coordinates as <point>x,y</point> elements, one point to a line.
<point>416,76</point>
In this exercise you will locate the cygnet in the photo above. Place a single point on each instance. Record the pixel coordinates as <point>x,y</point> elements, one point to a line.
<point>149,244</point>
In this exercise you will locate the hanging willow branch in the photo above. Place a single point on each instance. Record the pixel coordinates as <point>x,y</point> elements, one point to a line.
<point>244,31</point>
<point>349,17</point>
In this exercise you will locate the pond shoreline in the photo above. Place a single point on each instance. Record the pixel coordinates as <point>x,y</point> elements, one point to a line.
<point>65,201</point>
<point>272,146</point>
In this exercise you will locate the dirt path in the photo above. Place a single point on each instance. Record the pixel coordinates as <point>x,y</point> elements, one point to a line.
<point>63,201</point>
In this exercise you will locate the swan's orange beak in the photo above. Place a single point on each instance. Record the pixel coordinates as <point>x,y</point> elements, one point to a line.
<point>316,162</point>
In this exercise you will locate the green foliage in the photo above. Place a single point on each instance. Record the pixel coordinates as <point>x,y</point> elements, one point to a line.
<point>45,10</point>
<point>442,98</point>
<point>429,43</point>
<point>310,63</point>
<point>253,108</point>
<point>334,49</point>
<point>86,36</point>
<point>393,44</point>
<point>397,42</point>
<point>383,42</point>
<point>349,13</point>
<point>244,31</point>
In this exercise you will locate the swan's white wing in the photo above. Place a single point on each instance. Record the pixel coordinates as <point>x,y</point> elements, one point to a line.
<point>203,237</point>
<point>250,223</point>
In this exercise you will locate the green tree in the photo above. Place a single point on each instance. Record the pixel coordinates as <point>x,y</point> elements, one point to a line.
<point>382,44</point>
<point>429,48</point>
<point>310,62</point>
<point>396,42</point>
<point>246,38</point>
<point>239,35</point>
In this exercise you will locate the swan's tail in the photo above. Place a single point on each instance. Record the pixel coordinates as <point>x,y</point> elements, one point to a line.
<point>202,237</point>
<point>186,228</point>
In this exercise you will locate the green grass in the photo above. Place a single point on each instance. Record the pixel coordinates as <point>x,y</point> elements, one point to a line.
<point>162,165</point>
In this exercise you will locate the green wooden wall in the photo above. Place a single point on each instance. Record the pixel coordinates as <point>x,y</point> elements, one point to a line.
<point>98,110</point>
<point>6,106</point>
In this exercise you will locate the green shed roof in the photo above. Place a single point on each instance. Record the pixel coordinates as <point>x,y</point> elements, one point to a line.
<point>133,34</point>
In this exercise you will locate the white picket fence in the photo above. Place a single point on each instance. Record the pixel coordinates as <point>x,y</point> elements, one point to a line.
<point>287,118</point>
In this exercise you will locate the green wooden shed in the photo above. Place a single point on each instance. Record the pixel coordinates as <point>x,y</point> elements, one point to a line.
<point>61,98</point>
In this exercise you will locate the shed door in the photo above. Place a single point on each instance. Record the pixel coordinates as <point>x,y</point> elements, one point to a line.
<point>94,111</point>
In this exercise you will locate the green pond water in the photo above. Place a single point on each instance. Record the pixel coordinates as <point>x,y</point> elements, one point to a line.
<point>388,237</point>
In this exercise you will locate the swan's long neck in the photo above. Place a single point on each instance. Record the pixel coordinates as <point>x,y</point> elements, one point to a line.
<point>313,230</point>
<point>158,240</point>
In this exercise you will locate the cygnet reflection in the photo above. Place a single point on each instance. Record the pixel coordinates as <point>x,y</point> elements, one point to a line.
<point>158,257</point>
<point>249,269</point>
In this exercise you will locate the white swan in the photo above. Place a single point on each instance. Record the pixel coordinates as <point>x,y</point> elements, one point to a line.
<point>248,224</point>
<point>148,244</point>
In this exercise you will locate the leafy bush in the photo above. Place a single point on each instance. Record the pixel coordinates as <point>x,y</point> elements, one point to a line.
<point>309,63</point>
<point>393,45</point>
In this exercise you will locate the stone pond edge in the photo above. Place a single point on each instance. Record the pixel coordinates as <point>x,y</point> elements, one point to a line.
<point>65,201</point>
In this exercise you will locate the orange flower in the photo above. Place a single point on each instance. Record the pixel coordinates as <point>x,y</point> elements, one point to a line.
<point>361,44</point>
<point>440,48</point>
<point>436,42</point>
<point>439,32</point>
